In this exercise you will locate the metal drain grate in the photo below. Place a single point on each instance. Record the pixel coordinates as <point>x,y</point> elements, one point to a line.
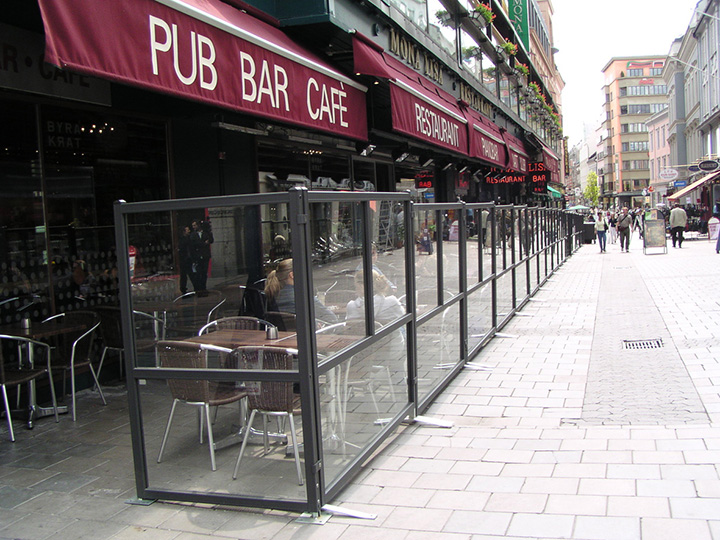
<point>635,344</point>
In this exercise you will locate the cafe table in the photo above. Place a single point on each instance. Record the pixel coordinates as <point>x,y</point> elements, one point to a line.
<point>41,331</point>
<point>231,339</point>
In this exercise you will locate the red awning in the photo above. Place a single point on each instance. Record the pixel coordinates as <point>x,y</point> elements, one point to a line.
<point>518,157</point>
<point>206,51</point>
<point>420,108</point>
<point>486,140</point>
<point>552,163</point>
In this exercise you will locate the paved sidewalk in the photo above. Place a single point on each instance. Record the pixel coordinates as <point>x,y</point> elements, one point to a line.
<point>566,434</point>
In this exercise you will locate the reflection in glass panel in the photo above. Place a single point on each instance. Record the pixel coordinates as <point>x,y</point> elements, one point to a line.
<point>359,396</point>
<point>186,460</point>
<point>415,10</point>
<point>426,262</point>
<point>438,348</point>
<point>442,27</point>
<point>489,74</point>
<point>451,268</point>
<point>388,252</point>
<point>479,315</point>
<point>337,245</point>
<point>534,272</point>
<point>473,247</point>
<point>504,295</point>
<point>23,250</point>
<point>505,88</point>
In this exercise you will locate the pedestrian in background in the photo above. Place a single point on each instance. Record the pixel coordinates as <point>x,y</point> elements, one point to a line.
<point>678,221</point>
<point>624,225</point>
<point>601,227</point>
<point>612,224</point>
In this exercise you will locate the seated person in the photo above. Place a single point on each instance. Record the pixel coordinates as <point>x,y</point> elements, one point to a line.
<point>280,292</point>
<point>386,308</point>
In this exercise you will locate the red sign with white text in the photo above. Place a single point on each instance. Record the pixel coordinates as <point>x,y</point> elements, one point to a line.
<point>206,51</point>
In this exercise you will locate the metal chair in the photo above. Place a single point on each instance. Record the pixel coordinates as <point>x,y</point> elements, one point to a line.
<point>75,350</point>
<point>284,320</point>
<point>111,334</point>
<point>269,398</point>
<point>253,303</point>
<point>235,323</point>
<point>196,310</point>
<point>199,393</point>
<point>22,375</point>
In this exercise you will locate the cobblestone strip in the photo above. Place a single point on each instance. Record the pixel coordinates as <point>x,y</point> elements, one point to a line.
<point>649,386</point>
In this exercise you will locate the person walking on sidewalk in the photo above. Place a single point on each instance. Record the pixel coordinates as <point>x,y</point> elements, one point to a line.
<point>601,227</point>
<point>612,225</point>
<point>678,221</point>
<point>624,224</point>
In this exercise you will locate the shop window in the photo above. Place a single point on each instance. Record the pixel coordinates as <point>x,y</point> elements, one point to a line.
<point>66,235</point>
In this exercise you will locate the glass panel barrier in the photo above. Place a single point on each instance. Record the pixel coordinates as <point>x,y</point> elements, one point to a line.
<point>337,262</point>
<point>426,262</point>
<point>479,315</point>
<point>360,396</point>
<point>388,261</point>
<point>199,427</point>
<point>504,296</point>
<point>438,348</point>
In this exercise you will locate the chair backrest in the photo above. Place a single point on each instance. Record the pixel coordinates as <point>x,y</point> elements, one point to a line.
<point>110,326</point>
<point>77,345</point>
<point>11,347</point>
<point>253,303</point>
<point>284,320</point>
<point>187,355</point>
<point>196,310</point>
<point>339,297</point>
<point>148,330</point>
<point>235,323</point>
<point>266,395</point>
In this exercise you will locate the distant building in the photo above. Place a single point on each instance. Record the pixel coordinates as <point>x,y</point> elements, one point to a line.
<point>634,91</point>
<point>659,154</point>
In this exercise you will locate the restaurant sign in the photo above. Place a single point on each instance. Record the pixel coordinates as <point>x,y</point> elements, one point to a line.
<point>206,51</point>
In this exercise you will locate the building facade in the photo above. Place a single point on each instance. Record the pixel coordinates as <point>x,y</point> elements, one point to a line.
<point>634,91</point>
<point>659,158</point>
<point>188,99</point>
<point>694,112</point>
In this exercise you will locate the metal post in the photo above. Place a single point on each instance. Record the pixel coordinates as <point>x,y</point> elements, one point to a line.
<point>307,353</point>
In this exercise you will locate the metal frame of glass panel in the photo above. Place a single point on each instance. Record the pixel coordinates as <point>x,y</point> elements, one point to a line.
<point>533,244</point>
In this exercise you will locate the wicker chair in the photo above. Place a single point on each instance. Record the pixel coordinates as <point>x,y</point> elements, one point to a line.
<point>235,323</point>
<point>199,393</point>
<point>269,398</point>
<point>74,350</point>
<point>17,377</point>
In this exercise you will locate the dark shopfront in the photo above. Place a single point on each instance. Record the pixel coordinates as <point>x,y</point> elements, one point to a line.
<point>72,144</point>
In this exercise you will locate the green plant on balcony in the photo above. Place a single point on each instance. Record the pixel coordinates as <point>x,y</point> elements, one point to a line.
<point>522,68</point>
<point>509,47</point>
<point>486,12</point>
<point>445,18</point>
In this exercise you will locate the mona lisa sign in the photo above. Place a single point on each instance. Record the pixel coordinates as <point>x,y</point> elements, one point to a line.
<point>518,13</point>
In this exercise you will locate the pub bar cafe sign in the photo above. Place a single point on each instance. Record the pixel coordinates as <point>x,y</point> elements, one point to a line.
<point>206,51</point>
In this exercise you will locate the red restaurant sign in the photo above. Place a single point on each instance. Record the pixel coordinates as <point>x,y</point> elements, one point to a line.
<point>207,51</point>
<point>419,116</point>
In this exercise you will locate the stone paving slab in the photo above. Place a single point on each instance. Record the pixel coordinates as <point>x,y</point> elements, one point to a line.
<point>520,462</point>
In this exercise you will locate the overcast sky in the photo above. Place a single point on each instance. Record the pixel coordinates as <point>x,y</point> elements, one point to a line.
<point>588,34</point>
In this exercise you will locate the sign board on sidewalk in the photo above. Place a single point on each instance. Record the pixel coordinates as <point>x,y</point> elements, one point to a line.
<point>654,234</point>
<point>713,228</point>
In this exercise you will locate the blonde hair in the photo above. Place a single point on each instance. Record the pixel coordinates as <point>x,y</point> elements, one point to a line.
<point>277,279</point>
<point>381,285</point>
